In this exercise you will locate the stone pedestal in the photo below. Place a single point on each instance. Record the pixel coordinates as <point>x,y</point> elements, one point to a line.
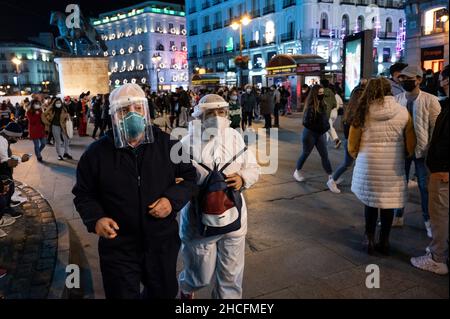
<point>82,74</point>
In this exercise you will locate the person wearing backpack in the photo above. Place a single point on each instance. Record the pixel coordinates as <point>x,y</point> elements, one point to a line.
<point>214,224</point>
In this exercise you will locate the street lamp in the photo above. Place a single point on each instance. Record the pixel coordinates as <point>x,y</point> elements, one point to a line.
<point>156,59</point>
<point>17,62</point>
<point>45,84</point>
<point>245,20</point>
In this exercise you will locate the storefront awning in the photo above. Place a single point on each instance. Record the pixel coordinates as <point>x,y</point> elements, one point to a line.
<point>303,64</point>
<point>205,79</point>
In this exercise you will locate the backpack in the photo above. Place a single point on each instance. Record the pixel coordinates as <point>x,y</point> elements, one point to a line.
<point>218,207</point>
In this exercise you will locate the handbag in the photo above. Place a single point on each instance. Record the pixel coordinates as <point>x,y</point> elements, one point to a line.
<point>69,128</point>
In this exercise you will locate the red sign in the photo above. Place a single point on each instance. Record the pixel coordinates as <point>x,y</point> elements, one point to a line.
<point>308,68</point>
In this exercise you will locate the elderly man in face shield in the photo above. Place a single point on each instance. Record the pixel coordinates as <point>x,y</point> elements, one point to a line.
<point>128,191</point>
<point>218,258</point>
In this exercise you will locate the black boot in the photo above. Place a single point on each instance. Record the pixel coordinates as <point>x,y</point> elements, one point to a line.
<point>371,215</point>
<point>386,216</point>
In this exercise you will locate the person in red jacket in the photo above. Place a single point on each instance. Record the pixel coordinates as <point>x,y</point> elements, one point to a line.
<point>36,128</point>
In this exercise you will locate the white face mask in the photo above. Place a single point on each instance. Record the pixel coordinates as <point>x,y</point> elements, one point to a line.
<point>36,106</point>
<point>233,97</point>
<point>217,122</point>
<point>58,105</point>
<point>248,91</point>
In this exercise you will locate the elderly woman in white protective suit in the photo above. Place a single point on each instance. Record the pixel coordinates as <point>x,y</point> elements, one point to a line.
<point>218,258</point>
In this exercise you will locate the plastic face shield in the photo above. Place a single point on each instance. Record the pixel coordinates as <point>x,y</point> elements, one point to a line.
<point>131,123</point>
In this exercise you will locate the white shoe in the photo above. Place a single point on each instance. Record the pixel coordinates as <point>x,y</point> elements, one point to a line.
<point>428,250</point>
<point>332,186</point>
<point>6,221</point>
<point>299,177</point>
<point>339,181</point>
<point>398,222</point>
<point>3,233</point>
<point>427,263</point>
<point>18,198</point>
<point>428,227</point>
<point>337,144</point>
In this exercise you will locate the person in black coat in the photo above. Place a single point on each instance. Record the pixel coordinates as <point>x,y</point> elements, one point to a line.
<point>128,191</point>
<point>438,188</point>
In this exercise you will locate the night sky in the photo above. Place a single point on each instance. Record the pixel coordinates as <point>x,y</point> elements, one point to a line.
<point>20,19</point>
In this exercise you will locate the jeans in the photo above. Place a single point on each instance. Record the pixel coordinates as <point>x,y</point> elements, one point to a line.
<point>348,161</point>
<point>309,140</point>
<point>422,174</point>
<point>438,191</point>
<point>39,145</point>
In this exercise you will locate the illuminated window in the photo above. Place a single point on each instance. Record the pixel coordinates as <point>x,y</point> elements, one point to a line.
<point>433,22</point>
<point>270,32</point>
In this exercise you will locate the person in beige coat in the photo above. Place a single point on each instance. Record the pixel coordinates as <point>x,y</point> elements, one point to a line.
<point>55,119</point>
<point>381,137</point>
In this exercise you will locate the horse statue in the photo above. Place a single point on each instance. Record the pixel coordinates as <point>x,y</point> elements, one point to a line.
<point>72,38</point>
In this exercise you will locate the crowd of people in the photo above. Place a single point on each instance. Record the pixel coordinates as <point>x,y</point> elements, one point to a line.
<point>389,124</point>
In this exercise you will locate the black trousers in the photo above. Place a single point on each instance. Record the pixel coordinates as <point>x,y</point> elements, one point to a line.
<point>126,263</point>
<point>386,217</point>
<point>267,120</point>
<point>276,114</point>
<point>5,200</point>
<point>246,119</point>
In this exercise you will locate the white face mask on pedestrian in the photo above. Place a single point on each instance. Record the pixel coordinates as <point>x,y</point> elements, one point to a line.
<point>58,105</point>
<point>216,122</point>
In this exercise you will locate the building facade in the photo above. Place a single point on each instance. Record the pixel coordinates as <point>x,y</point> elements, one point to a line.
<point>289,27</point>
<point>34,69</point>
<point>427,34</point>
<point>146,45</point>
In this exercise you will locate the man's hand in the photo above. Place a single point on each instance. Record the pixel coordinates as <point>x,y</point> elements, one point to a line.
<point>235,180</point>
<point>12,162</point>
<point>106,227</point>
<point>442,176</point>
<point>161,208</point>
<point>25,158</point>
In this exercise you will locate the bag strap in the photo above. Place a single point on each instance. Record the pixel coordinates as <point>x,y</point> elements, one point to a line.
<point>233,159</point>
<point>191,156</point>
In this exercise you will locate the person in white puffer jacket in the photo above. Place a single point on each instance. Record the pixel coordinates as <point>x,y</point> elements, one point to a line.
<point>424,109</point>
<point>380,139</point>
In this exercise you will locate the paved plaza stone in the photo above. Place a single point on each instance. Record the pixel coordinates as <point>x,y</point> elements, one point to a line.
<point>29,251</point>
<point>303,241</point>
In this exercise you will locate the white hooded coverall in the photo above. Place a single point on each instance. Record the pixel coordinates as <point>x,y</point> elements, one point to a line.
<point>219,258</point>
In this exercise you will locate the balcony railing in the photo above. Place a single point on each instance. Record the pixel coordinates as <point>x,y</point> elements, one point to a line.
<point>326,1</point>
<point>347,2</point>
<point>193,32</point>
<point>269,43</point>
<point>433,31</point>
<point>269,9</point>
<point>205,5</point>
<point>254,44</point>
<point>227,22</point>
<point>206,28</point>
<point>192,10</point>
<point>255,13</point>
<point>387,35</point>
<point>287,37</point>
<point>324,32</point>
<point>289,3</point>
<point>218,50</point>
<point>206,52</point>
<point>362,2</point>
<point>217,25</point>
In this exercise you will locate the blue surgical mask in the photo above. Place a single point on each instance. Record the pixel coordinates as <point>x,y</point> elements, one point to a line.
<point>133,125</point>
